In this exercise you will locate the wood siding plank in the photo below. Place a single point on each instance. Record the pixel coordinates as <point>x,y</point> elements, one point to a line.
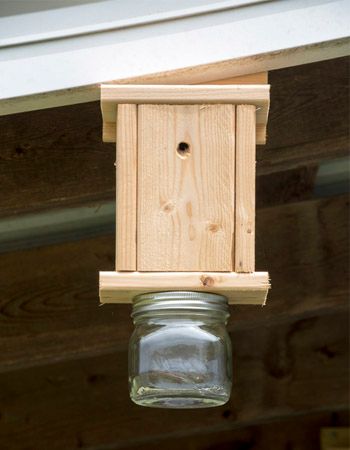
<point>49,295</point>
<point>283,370</point>
<point>300,432</point>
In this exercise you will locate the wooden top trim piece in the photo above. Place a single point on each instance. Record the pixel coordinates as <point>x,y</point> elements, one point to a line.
<point>251,94</point>
<point>257,94</point>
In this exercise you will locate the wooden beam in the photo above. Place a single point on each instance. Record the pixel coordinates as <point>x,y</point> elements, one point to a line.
<point>126,187</point>
<point>272,160</point>
<point>251,78</point>
<point>120,287</point>
<point>49,295</point>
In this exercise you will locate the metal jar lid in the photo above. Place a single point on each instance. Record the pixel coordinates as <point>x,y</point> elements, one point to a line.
<point>179,300</point>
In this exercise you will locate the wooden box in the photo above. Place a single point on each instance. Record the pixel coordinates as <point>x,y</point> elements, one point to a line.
<point>185,189</point>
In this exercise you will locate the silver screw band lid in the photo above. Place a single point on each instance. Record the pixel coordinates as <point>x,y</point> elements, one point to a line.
<point>179,300</point>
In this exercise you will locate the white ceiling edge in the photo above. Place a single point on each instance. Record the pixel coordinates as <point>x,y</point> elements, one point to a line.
<point>229,39</point>
<point>101,16</point>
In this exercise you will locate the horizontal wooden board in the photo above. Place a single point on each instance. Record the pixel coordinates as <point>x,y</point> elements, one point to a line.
<point>109,132</point>
<point>300,432</point>
<point>279,371</point>
<point>257,95</point>
<point>182,94</point>
<point>109,128</point>
<point>239,288</point>
<point>49,296</point>
<point>56,158</point>
<point>286,187</point>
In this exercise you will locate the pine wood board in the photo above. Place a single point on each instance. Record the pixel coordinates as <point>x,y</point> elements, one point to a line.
<point>244,253</point>
<point>121,287</point>
<point>111,95</point>
<point>185,214</point>
<point>126,188</point>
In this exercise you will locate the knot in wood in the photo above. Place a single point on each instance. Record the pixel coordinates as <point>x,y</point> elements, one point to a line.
<point>213,227</point>
<point>168,207</point>
<point>207,281</point>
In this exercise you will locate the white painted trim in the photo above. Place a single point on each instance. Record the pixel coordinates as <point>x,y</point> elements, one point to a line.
<point>235,40</point>
<point>9,23</point>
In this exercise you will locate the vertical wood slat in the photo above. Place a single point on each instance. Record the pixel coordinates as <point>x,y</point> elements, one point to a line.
<point>185,200</point>
<point>126,187</point>
<point>245,189</point>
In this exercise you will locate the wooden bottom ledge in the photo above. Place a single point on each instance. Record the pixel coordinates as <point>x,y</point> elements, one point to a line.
<point>239,288</point>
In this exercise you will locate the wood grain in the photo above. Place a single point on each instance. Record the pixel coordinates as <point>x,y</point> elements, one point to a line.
<point>257,95</point>
<point>252,78</point>
<point>49,296</point>
<point>44,165</point>
<point>244,253</point>
<point>300,432</point>
<point>185,198</point>
<point>280,371</point>
<point>178,94</point>
<point>109,129</point>
<point>126,188</point>
<point>246,289</point>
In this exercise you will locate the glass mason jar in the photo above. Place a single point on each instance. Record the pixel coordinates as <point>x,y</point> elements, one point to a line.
<point>180,351</point>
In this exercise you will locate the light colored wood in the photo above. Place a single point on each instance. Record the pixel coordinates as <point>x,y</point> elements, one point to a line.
<point>109,133</point>
<point>185,201</point>
<point>252,78</point>
<point>257,95</point>
<point>121,287</point>
<point>245,189</point>
<point>126,187</point>
<point>109,129</point>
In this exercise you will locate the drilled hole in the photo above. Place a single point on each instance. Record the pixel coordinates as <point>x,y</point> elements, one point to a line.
<point>183,149</point>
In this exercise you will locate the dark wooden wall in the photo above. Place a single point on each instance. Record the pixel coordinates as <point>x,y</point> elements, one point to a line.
<point>63,360</point>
